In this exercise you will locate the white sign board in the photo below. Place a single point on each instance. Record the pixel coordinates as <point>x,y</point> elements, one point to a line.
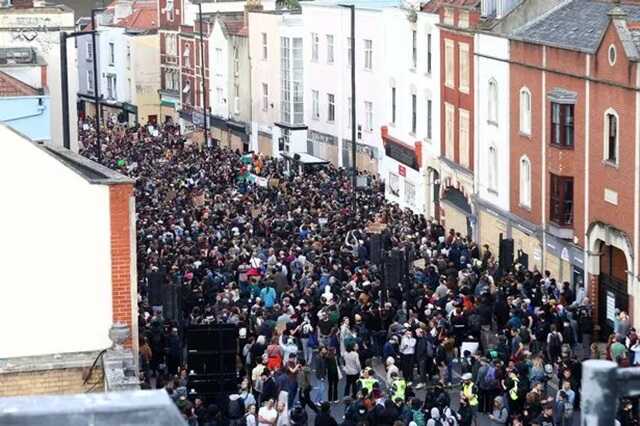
<point>611,306</point>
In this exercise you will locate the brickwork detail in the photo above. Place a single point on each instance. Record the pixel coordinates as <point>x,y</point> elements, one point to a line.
<point>119,196</point>
<point>51,382</point>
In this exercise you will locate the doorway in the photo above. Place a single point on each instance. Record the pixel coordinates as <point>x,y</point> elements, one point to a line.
<point>612,285</point>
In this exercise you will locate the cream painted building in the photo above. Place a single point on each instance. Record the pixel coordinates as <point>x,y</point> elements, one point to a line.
<point>145,75</point>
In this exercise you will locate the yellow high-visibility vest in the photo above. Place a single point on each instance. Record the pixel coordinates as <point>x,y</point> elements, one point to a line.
<point>467,391</point>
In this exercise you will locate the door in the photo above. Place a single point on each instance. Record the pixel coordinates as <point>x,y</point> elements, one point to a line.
<point>612,285</point>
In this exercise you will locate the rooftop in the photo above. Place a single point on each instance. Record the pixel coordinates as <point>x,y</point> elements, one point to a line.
<point>434,5</point>
<point>359,4</point>
<point>575,25</point>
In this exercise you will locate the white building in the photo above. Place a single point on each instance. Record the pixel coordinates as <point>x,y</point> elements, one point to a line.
<point>327,57</point>
<point>78,294</point>
<point>39,28</point>
<point>276,41</point>
<point>411,89</point>
<point>118,52</point>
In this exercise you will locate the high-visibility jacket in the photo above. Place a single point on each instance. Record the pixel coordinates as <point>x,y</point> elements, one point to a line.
<point>513,392</point>
<point>368,383</point>
<point>467,391</point>
<point>399,387</point>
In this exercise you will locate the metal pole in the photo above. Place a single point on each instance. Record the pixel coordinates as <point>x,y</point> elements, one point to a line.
<point>204,86</point>
<point>64,78</point>
<point>353,103</point>
<point>96,88</point>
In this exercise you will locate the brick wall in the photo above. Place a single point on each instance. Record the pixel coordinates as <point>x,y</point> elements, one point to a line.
<point>119,196</point>
<point>58,381</point>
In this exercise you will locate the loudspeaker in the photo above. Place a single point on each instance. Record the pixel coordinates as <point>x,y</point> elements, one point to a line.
<point>523,259</point>
<point>208,362</point>
<point>213,338</point>
<point>506,254</point>
<point>156,287</point>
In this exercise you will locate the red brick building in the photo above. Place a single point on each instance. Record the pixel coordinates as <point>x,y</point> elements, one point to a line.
<point>458,19</point>
<point>170,16</point>
<point>575,132</point>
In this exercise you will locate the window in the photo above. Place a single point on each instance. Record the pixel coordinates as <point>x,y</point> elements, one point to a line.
<point>171,46</point>
<point>414,49</point>
<point>219,95</point>
<point>463,19</point>
<point>112,54</point>
<point>111,87</point>
<point>448,63</point>
<point>525,182</point>
<point>525,111</point>
<point>349,52</point>
<point>464,138</point>
<point>463,52</point>
<point>492,169</point>
<point>331,109</point>
<point>612,55</point>
<point>297,72</point>
<point>315,45</point>
<point>330,49</point>
<point>128,57</point>
<point>414,117</point>
<point>368,54</point>
<point>236,99</point>
<point>349,113</point>
<point>130,87</point>
<point>368,110</point>
<point>561,191</point>
<point>429,118</point>
<point>265,96</point>
<point>393,105</point>
<point>265,51</point>
<point>492,113</point>
<point>169,10</point>
<point>409,193</point>
<point>449,116</point>
<point>218,66</point>
<point>291,87</point>
<point>90,81</point>
<point>448,16</point>
<point>394,184</point>
<point>315,103</point>
<point>562,125</point>
<point>186,57</point>
<point>429,53</point>
<point>236,61</point>
<point>611,136</point>
<point>89,47</point>
<point>171,80</point>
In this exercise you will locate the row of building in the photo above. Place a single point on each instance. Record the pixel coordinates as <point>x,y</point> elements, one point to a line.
<point>504,119</point>
<point>507,120</point>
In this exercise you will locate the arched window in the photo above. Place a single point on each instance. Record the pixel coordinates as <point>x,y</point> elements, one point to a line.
<point>525,182</point>
<point>525,111</point>
<point>492,169</point>
<point>611,136</point>
<point>493,101</point>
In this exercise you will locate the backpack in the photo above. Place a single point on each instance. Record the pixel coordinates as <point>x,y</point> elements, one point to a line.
<point>475,322</point>
<point>489,380</point>
<point>429,348</point>
<point>554,342</point>
<point>418,418</point>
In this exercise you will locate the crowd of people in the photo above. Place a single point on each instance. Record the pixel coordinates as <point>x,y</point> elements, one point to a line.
<point>451,339</point>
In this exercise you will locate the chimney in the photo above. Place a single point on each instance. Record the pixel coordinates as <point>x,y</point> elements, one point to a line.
<point>251,6</point>
<point>122,9</point>
<point>22,4</point>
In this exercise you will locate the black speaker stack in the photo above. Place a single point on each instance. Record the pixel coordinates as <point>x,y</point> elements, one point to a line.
<point>505,257</point>
<point>211,359</point>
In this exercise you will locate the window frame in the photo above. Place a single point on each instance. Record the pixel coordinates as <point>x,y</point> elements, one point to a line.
<point>368,54</point>
<point>429,118</point>
<point>265,97</point>
<point>449,131</point>
<point>449,63</point>
<point>561,137</point>
<point>330,49</point>
<point>466,132</point>
<point>368,110</point>
<point>331,108</point>
<point>315,104</point>
<point>112,53</point>
<point>492,168</point>
<point>90,88</point>
<point>525,116</point>
<point>414,113</point>
<point>315,47</point>
<point>464,68</point>
<point>393,105</point>
<point>611,113</point>
<point>414,50</point>
<point>429,53</point>
<point>492,99</point>
<point>524,195</point>
<point>560,207</point>
<point>265,47</point>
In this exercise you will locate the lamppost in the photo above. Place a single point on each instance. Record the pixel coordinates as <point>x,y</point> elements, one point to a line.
<point>354,170</point>
<point>65,82</point>
<point>204,86</point>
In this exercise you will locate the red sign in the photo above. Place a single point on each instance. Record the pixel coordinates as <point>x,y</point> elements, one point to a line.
<point>402,170</point>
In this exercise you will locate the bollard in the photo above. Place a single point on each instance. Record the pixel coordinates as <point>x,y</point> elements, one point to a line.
<point>603,384</point>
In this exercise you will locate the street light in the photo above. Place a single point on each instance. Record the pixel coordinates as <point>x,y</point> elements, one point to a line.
<point>204,87</point>
<point>354,170</point>
<point>66,138</point>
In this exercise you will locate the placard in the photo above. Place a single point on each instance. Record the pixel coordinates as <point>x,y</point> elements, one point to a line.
<point>611,306</point>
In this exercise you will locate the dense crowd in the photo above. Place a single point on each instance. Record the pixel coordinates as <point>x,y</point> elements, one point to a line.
<point>288,260</point>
